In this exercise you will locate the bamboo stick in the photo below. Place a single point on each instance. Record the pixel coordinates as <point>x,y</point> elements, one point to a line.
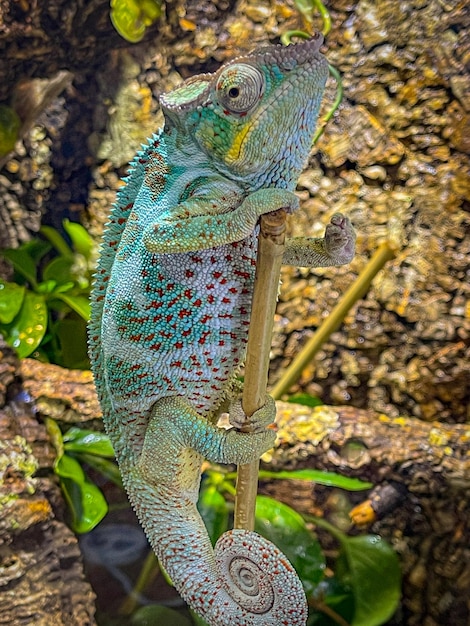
<point>268,267</point>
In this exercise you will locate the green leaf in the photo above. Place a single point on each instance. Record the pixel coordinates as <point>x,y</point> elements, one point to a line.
<point>81,240</point>
<point>131,17</point>
<point>27,330</point>
<point>72,335</point>
<point>197,619</point>
<point>79,304</point>
<point>106,467</point>
<point>11,299</point>
<point>89,441</point>
<point>287,529</point>
<point>57,241</point>
<point>370,567</point>
<point>330,479</point>
<point>153,614</point>
<point>36,249</point>
<point>214,511</point>
<point>305,399</point>
<point>86,502</point>
<point>59,270</point>
<point>331,593</point>
<point>23,264</point>
<point>10,125</point>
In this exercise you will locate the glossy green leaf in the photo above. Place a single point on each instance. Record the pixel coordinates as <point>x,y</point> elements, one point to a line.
<point>305,399</point>
<point>197,619</point>
<point>370,567</point>
<point>81,240</point>
<point>87,503</point>
<point>59,270</point>
<point>106,467</point>
<point>11,299</point>
<point>26,331</point>
<point>72,335</point>
<point>10,125</point>
<point>36,249</point>
<point>57,240</point>
<point>23,264</point>
<point>131,17</point>
<point>214,511</point>
<point>79,304</point>
<point>154,614</point>
<point>89,441</point>
<point>330,479</point>
<point>333,594</point>
<point>288,531</point>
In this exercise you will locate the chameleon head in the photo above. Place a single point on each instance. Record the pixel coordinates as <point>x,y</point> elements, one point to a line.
<point>255,117</point>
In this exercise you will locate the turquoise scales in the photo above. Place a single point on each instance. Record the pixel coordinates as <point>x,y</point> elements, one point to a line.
<point>171,308</point>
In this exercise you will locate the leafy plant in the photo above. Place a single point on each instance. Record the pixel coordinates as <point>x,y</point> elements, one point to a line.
<point>45,311</point>
<point>10,125</point>
<point>86,501</point>
<point>365,587</point>
<point>132,17</point>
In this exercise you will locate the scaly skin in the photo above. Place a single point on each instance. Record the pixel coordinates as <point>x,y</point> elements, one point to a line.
<point>171,308</point>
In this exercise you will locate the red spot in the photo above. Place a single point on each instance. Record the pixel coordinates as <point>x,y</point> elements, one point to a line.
<point>197,302</point>
<point>226,300</point>
<point>188,293</point>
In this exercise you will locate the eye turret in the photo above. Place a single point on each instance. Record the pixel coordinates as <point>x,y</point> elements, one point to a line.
<point>239,88</point>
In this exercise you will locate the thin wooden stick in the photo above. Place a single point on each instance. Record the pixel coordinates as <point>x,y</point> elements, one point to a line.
<point>385,252</point>
<point>268,267</point>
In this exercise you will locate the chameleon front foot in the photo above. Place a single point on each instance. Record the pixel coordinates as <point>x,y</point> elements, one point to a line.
<point>261,419</point>
<point>340,239</point>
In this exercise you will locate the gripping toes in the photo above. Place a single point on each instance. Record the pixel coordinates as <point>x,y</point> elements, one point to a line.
<point>340,238</point>
<point>256,423</point>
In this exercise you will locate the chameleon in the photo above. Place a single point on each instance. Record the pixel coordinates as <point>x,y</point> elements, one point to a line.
<point>171,309</point>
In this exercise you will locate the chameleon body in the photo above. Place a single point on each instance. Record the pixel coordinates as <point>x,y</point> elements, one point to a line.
<point>171,309</point>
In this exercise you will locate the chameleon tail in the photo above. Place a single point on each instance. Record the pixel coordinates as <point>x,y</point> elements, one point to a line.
<point>245,581</point>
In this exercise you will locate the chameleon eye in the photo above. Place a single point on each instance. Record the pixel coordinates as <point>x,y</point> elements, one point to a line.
<point>240,87</point>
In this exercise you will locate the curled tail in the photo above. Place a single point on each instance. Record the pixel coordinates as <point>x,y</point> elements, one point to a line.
<point>244,581</point>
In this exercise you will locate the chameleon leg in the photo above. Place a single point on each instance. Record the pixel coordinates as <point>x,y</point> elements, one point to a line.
<point>233,586</point>
<point>208,230</point>
<point>336,248</point>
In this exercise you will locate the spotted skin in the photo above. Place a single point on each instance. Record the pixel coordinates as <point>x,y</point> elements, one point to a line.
<point>171,308</point>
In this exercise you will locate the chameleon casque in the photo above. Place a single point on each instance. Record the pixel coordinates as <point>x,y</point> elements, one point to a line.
<point>171,309</point>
